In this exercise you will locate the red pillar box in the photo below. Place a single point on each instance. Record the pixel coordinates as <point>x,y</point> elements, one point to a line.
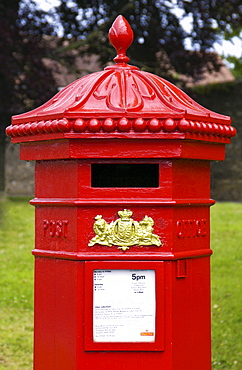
<point>122,276</point>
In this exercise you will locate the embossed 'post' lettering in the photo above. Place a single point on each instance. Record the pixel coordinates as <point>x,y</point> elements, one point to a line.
<point>58,231</point>
<point>46,225</point>
<point>52,228</point>
<point>55,228</point>
<point>65,224</point>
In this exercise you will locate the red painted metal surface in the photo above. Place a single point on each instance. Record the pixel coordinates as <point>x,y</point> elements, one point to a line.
<point>118,101</point>
<point>121,116</point>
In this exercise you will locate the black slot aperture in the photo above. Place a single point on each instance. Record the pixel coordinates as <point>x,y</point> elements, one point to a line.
<point>125,175</point>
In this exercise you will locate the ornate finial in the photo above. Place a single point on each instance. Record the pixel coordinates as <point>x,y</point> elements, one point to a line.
<point>121,37</point>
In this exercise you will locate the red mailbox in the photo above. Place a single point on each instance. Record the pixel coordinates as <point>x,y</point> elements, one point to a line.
<point>122,197</point>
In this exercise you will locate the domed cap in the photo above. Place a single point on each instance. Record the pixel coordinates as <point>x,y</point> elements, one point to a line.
<point>120,100</point>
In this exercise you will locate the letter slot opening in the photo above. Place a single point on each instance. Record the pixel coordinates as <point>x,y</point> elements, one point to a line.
<point>125,175</point>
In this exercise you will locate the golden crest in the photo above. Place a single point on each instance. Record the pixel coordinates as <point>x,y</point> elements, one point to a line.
<point>124,232</point>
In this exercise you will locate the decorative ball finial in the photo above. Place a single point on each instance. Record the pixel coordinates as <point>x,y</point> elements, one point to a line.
<point>121,37</point>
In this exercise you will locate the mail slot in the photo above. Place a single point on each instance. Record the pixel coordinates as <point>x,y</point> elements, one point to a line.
<point>122,197</point>
<point>125,175</point>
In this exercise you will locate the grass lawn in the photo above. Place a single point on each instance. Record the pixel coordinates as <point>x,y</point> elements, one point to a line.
<point>16,284</point>
<point>226,242</point>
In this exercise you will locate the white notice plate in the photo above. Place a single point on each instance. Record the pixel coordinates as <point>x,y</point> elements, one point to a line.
<point>124,306</point>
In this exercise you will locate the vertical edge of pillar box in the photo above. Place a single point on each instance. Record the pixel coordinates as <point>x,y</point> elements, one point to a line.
<point>191,321</point>
<point>59,310</point>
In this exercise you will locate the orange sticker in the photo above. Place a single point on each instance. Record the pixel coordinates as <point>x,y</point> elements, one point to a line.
<point>147,334</point>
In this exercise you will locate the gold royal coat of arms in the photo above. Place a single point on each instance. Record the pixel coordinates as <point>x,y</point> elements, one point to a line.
<point>124,232</point>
